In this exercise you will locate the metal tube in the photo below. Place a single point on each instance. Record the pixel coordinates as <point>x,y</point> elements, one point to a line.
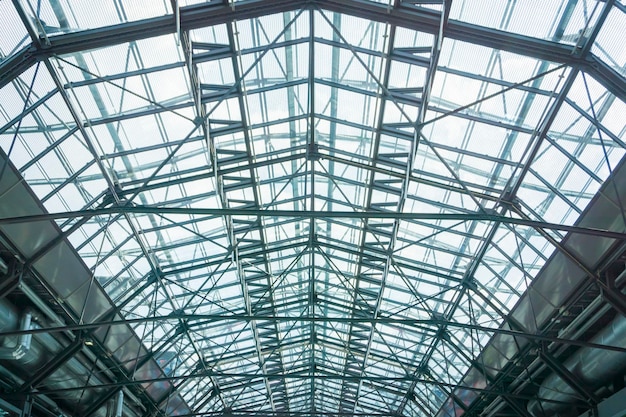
<point>39,303</point>
<point>308,214</point>
<point>119,405</point>
<point>23,341</point>
<point>591,366</point>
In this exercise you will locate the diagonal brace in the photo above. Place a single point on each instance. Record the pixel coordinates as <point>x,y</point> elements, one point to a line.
<point>566,375</point>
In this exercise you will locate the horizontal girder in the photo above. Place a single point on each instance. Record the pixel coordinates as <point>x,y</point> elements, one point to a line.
<point>424,324</point>
<point>137,209</point>
<point>203,15</point>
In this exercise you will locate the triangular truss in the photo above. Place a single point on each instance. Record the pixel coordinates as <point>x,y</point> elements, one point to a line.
<point>308,208</point>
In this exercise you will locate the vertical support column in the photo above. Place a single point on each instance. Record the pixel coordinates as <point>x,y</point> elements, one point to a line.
<point>27,406</point>
<point>312,156</point>
<point>119,403</point>
<point>11,277</point>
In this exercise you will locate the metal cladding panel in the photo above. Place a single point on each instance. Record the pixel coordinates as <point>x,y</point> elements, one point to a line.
<point>16,200</point>
<point>159,389</point>
<point>28,237</point>
<point>114,338</point>
<point>66,274</point>
<point>176,407</point>
<point>545,294</point>
<point>500,351</point>
<point>605,212</point>
<point>127,352</point>
<point>557,280</point>
<point>59,266</point>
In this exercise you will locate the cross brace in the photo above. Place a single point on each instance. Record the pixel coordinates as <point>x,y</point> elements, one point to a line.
<point>203,15</point>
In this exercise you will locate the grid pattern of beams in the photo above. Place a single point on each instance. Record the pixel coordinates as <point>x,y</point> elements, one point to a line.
<point>311,207</point>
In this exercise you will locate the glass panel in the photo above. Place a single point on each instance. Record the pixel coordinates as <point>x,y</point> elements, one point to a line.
<point>310,210</point>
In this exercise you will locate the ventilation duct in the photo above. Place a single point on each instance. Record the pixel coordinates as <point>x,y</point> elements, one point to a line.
<point>30,355</point>
<point>592,367</point>
<point>22,344</point>
<point>119,404</point>
<point>63,272</point>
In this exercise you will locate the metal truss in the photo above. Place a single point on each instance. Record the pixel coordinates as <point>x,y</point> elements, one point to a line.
<point>310,207</point>
<point>215,13</point>
<point>380,215</point>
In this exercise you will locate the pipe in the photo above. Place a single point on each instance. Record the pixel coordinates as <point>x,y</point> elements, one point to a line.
<point>42,348</point>
<point>592,367</point>
<point>40,304</point>
<point>23,341</point>
<point>119,403</point>
<point>27,360</point>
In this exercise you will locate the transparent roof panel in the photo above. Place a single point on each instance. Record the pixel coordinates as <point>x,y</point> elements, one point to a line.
<point>52,17</point>
<point>14,34</point>
<point>319,211</point>
<point>606,47</point>
<point>561,21</point>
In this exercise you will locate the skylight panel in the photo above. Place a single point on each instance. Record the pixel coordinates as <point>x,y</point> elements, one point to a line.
<point>361,296</point>
<point>61,16</point>
<point>560,21</point>
<point>14,35</point>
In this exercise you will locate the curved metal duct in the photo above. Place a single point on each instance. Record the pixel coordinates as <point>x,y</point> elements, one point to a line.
<point>22,344</point>
<point>41,348</point>
<point>591,366</point>
<point>119,403</point>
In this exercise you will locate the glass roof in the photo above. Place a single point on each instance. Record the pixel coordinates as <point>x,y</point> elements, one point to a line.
<point>322,196</point>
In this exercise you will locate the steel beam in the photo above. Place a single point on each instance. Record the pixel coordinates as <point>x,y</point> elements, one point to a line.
<point>191,17</point>
<point>197,16</point>
<point>291,376</point>
<point>10,281</point>
<point>27,406</point>
<point>276,393</point>
<point>564,373</point>
<point>268,413</point>
<point>308,214</point>
<point>53,365</point>
<point>424,325</point>
<point>428,21</point>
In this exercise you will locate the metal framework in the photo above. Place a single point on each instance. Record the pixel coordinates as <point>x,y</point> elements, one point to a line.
<point>309,207</point>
